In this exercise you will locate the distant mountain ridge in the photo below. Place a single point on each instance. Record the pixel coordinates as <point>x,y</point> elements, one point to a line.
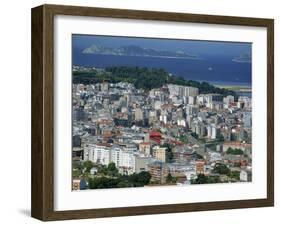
<point>134,50</point>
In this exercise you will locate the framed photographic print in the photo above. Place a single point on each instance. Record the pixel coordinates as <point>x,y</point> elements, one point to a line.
<point>141,112</point>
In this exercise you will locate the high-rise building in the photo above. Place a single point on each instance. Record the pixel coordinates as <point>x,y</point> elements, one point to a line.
<point>212,131</point>
<point>186,91</point>
<point>247,119</point>
<point>158,171</point>
<point>141,163</point>
<point>228,99</point>
<point>191,91</point>
<point>246,175</point>
<point>138,114</point>
<point>200,167</point>
<point>191,110</point>
<point>159,153</point>
<point>123,159</point>
<point>99,153</point>
<point>104,86</point>
<point>145,147</point>
<point>214,98</point>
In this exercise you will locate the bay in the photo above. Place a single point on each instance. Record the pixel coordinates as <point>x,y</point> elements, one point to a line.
<point>213,69</point>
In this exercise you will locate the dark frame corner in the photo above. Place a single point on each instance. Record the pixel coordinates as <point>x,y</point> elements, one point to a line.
<point>42,203</point>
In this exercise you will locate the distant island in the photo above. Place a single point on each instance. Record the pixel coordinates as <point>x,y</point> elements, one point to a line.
<point>134,50</point>
<point>244,58</point>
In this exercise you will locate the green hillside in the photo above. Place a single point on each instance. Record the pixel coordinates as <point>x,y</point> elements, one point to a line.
<point>143,78</point>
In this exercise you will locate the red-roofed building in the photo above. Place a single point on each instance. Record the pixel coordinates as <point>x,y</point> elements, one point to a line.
<point>155,136</point>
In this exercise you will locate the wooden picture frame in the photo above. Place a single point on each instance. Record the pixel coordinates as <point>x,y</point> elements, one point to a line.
<point>42,203</point>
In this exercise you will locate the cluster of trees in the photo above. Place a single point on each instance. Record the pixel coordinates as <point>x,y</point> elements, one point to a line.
<point>183,139</point>
<point>141,77</point>
<point>82,169</point>
<point>76,168</point>
<point>235,175</point>
<point>224,170</point>
<point>219,168</point>
<point>110,170</point>
<point>203,179</point>
<point>121,181</point>
<point>144,78</point>
<point>170,179</point>
<point>108,176</point>
<point>87,77</point>
<point>234,151</point>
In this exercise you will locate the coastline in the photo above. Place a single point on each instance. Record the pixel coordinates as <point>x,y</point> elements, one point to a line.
<point>234,86</point>
<point>237,88</point>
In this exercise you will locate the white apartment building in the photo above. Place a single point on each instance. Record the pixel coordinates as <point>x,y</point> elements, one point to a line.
<point>99,154</point>
<point>176,90</point>
<point>212,100</point>
<point>191,91</point>
<point>157,105</point>
<point>228,99</point>
<point>127,161</point>
<point>181,122</point>
<point>245,176</point>
<point>138,114</point>
<point>159,153</point>
<point>244,102</point>
<point>123,159</point>
<point>211,131</point>
<point>163,117</point>
<point>191,100</point>
<point>191,110</point>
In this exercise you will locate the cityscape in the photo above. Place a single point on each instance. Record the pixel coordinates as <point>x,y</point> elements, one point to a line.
<point>137,126</point>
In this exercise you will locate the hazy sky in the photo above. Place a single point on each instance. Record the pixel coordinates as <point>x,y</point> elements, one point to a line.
<point>202,48</point>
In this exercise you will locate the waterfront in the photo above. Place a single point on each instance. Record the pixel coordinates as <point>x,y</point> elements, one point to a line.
<point>221,69</point>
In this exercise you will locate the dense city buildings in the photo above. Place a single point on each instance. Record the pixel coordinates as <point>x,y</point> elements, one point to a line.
<point>125,136</point>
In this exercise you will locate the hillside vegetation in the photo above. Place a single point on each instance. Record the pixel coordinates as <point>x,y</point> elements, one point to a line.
<point>143,78</point>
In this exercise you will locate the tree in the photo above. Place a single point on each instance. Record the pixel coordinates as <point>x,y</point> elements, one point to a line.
<point>201,179</point>
<point>138,179</point>
<point>234,151</point>
<point>112,170</point>
<point>103,182</point>
<point>169,178</point>
<point>235,175</point>
<point>88,165</point>
<point>213,179</point>
<point>77,165</point>
<point>76,173</point>
<point>144,177</point>
<point>221,169</point>
<point>102,169</point>
<point>123,184</point>
<point>183,139</point>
